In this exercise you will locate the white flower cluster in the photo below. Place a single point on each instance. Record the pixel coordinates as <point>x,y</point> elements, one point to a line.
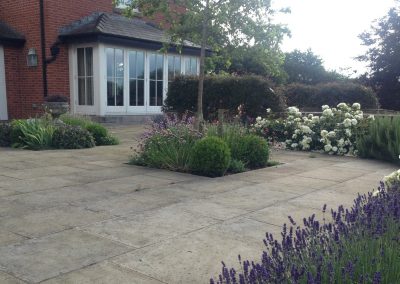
<point>392,179</point>
<point>333,132</point>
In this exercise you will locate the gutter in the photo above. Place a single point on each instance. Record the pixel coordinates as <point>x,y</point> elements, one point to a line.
<point>43,48</point>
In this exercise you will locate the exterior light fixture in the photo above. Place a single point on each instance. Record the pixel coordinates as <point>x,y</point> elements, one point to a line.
<point>32,58</point>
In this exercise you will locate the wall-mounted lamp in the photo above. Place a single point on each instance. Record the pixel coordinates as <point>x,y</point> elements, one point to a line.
<point>32,58</point>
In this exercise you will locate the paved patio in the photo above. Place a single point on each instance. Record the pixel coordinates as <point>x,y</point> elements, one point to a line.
<point>84,216</point>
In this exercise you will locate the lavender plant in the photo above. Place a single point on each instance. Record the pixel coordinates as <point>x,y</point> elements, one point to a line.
<point>167,144</point>
<point>359,245</point>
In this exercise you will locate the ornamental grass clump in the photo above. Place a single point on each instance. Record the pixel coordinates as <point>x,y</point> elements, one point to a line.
<point>168,144</point>
<point>359,245</point>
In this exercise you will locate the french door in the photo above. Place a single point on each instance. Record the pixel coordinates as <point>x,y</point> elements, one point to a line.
<point>135,81</point>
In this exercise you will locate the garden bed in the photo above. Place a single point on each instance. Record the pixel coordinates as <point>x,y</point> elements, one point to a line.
<point>43,133</point>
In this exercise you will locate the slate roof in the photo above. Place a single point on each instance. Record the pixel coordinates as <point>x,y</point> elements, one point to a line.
<point>10,36</point>
<point>117,26</point>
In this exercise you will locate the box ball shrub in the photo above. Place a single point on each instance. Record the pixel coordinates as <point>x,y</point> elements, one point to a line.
<point>224,92</point>
<point>98,131</point>
<point>252,150</point>
<point>72,137</point>
<point>210,157</point>
<point>333,93</point>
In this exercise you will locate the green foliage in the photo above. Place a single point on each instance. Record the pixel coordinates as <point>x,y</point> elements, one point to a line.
<point>33,134</point>
<point>72,137</point>
<point>382,140</point>
<point>210,157</point>
<point>224,92</point>
<point>307,68</point>
<point>108,140</point>
<point>252,150</point>
<point>99,132</point>
<point>304,96</point>
<point>257,60</point>
<point>5,135</point>
<point>75,120</point>
<point>383,57</point>
<point>236,166</point>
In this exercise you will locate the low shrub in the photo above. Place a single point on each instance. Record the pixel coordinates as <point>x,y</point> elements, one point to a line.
<point>255,94</point>
<point>72,137</point>
<point>382,140</point>
<point>331,93</point>
<point>33,134</point>
<point>5,135</point>
<point>252,150</point>
<point>99,132</point>
<point>167,145</point>
<point>108,140</point>
<point>236,166</point>
<point>359,245</point>
<point>210,157</point>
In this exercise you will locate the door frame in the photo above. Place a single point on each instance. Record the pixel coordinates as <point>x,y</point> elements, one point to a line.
<point>3,89</point>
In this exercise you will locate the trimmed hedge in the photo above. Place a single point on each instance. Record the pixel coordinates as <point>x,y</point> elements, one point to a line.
<point>224,92</point>
<point>315,96</point>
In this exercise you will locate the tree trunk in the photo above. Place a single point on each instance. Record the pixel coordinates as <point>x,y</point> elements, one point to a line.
<point>199,115</point>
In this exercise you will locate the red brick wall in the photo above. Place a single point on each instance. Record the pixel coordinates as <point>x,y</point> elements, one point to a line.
<point>24,84</point>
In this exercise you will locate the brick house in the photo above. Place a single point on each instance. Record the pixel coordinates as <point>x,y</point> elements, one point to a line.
<point>107,65</point>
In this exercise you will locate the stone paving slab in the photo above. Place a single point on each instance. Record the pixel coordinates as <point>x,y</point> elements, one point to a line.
<point>85,216</point>
<point>40,259</point>
<point>103,273</point>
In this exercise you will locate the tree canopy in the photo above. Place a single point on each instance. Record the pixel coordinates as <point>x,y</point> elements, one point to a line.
<point>221,25</point>
<point>307,68</point>
<point>383,56</point>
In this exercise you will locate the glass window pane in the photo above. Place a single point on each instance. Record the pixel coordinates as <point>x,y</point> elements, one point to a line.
<point>81,62</point>
<point>187,66</point>
<point>159,93</point>
<point>132,92</point>
<point>81,91</point>
<point>152,66</point>
<point>89,61</point>
<point>132,64</point>
<point>193,66</point>
<point>140,65</point>
<point>119,96</point>
<point>160,66</point>
<point>140,93</point>
<point>89,91</point>
<point>177,65</point>
<point>110,92</point>
<point>119,62</point>
<point>110,62</point>
<point>171,63</point>
<point>152,93</point>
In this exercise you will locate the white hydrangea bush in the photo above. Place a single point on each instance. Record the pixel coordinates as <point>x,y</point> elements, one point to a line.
<point>392,180</point>
<point>334,131</point>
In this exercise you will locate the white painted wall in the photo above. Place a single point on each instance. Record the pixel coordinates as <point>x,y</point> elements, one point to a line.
<point>3,97</point>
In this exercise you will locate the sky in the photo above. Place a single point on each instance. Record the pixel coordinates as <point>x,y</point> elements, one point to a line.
<point>330,28</point>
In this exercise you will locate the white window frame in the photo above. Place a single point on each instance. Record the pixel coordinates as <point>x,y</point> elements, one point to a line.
<point>136,109</point>
<point>74,92</point>
<point>3,89</point>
